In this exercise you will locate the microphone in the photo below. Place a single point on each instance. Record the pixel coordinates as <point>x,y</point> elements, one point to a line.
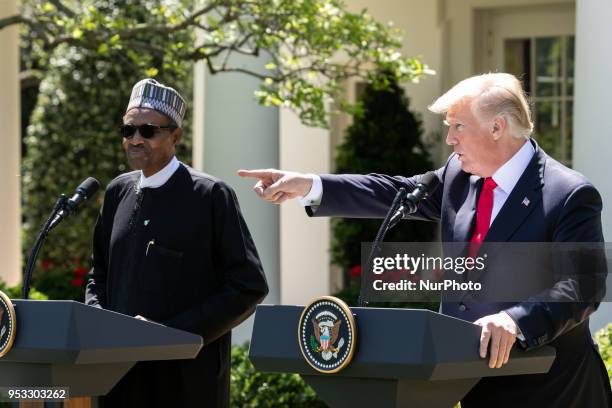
<point>87,189</point>
<point>63,208</point>
<point>428,184</point>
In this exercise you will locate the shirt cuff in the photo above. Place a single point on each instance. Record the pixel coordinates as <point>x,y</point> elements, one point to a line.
<point>314,196</point>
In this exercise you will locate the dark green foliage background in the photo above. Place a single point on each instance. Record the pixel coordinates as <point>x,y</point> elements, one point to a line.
<point>385,138</point>
<point>72,134</point>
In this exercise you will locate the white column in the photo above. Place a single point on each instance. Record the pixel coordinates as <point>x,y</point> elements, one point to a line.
<point>305,241</point>
<point>10,152</point>
<point>232,131</point>
<point>592,124</point>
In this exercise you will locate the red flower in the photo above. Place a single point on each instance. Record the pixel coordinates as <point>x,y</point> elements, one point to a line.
<point>47,264</point>
<point>77,282</point>
<point>80,272</point>
<point>356,271</point>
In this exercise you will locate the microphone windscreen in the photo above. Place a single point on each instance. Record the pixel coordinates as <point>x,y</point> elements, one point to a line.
<point>89,187</point>
<point>430,180</point>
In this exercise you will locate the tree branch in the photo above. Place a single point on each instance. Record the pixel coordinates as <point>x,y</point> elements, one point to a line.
<point>191,20</point>
<point>14,19</point>
<point>213,70</point>
<point>30,78</point>
<point>61,7</point>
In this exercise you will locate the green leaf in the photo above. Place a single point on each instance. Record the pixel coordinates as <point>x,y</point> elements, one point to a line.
<point>77,33</point>
<point>103,48</point>
<point>48,8</point>
<point>90,25</point>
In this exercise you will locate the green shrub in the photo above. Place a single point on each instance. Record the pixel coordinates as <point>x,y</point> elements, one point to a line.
<point>603,338</point>
<point>253,389</point>
<point>14,292</point>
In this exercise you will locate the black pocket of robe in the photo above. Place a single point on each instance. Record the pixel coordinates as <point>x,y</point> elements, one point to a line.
<point>162,270</point>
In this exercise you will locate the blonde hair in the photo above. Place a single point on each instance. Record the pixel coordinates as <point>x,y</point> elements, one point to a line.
<point>493,94</point>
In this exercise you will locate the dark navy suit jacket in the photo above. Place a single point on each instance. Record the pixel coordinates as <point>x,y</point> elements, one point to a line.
<point>563,207</point>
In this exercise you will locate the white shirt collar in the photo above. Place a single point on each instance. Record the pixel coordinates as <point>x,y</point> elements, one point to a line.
<point>161,177</point>
<point>509,174</point>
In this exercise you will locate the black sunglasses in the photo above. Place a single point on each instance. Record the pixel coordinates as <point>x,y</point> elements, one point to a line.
<point>147,130</point>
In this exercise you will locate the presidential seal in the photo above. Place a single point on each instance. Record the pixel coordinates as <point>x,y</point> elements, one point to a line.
<point>7,324</point>
<point>326,334</point>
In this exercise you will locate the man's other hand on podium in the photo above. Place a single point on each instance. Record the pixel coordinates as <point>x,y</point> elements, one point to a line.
<point>500,331</point>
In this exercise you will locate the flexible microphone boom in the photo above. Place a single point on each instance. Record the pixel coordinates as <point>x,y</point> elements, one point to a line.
<point>84,191</point>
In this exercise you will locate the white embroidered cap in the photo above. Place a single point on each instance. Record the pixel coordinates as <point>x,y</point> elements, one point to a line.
<point>148,93</point>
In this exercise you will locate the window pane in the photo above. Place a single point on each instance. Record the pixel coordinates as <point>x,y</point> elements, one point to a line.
<point>547,127</point>
<point>548,66</point>
<point>570,65</point>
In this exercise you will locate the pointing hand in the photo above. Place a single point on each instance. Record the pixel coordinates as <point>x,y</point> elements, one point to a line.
<point>277,186</point>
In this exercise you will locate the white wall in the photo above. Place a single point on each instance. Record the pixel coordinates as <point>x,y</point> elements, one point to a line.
<point>592,125</point>
<point>10,152</point>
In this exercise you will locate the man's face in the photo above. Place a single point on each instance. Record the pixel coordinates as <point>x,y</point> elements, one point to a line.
<point>472,140</point>
<point>150,155</point>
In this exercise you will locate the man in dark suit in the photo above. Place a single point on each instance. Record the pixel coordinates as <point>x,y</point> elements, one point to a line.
<point>497,186</point>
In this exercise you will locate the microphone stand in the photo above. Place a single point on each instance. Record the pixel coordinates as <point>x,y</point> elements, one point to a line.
<point>42,234</point>
<point>386,225</point>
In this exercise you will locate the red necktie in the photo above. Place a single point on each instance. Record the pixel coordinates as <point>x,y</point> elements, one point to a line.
<point>483,215</point>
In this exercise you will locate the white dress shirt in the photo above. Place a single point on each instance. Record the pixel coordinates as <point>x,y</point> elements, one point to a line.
<point>159,179</point>
<point>508,175</point>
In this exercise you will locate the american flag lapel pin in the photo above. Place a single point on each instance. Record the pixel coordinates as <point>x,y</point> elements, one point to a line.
<point>526,202</point>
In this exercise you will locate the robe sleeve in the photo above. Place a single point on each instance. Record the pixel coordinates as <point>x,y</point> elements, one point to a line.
<point>236,260</point>
<point>96,290</point>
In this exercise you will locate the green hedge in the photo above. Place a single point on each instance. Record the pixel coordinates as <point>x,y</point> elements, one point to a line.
<point>14,292</point>
<point>253,389</point>
<point>603,338</point>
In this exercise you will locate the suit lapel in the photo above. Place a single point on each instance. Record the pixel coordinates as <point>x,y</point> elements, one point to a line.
<point>521,202</point>
<point>464,219</point>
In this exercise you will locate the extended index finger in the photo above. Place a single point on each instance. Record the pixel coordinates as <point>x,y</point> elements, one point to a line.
<point>258,174</point>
